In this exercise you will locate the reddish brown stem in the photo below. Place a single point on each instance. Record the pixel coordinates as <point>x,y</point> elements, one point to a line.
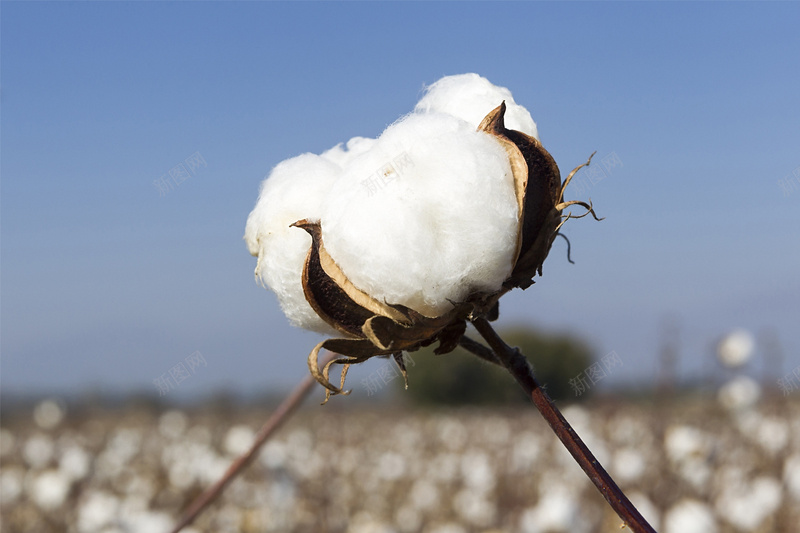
<point>520,368</point>
<point>281,414</point>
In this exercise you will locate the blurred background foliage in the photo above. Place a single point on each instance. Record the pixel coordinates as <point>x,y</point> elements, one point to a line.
<point>460,378</point>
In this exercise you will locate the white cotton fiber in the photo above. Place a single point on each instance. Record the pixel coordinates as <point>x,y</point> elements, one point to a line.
<point>426,216</point>
<point>355,147</point>
<point>470,97</point>
<point>422,216</point>
<point>294,190</point>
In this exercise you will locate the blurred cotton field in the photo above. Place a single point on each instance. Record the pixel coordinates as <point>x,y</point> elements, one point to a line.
<point>692,466</point>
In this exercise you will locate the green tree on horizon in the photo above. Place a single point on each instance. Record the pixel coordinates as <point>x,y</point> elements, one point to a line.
<point>461,378</point>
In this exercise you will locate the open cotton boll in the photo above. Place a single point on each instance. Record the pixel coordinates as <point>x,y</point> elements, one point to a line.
<point>470,97</point>
<point>343,155</point>
<point>427,215</point>
<point>294,190</point>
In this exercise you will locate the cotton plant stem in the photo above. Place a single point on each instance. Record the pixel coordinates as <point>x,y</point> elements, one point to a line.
<point>479,349</point>
<point>281,414</point>
<point>520,368</point>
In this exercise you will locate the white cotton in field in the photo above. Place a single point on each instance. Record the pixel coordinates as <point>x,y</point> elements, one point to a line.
<point>294,190</point>
<point>690,516</point>
<point>470,97</point>
<point>736,348</point>
<point>740,393</point>
<point>425,217</point>
<point>748,505</point>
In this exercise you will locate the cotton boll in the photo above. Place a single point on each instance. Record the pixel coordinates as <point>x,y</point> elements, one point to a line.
<point>11,484</point>
<point>391,466</point>
<point>342,156</point>
<point>426,216</point>
<point>172,424</point>
<point>684,442</point>
<point>772,435</point>
<point>98,509</point>
<point>48,414</point>
<point>688,449</point>
<point>557,510</point>
<point>49,489</point>
<point>424,495</point>
<point>449,527</point>
<point>7,442</point>
<point>239,439</point>
<point>75,463</point>
<point>736,348</point>
<point>294,190</point>
<point>742,392</point>
<point>477,471</point>
<point>473,507</point>
<point>38,451</point>
<point>791,475</point>
<point>690,516</point>
<point>408,519</point>
<point>748,506</point>
<point>629,465</point>
<point>470,97</point>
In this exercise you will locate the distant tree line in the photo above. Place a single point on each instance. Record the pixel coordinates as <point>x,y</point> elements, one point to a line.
<point>461,378</point>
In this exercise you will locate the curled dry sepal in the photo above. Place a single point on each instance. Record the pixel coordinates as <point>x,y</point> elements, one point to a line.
<point>370,327</point>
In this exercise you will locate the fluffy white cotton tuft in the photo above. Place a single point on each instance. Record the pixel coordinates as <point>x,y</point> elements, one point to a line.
<point>426,216</point>
<point>422,216</point>
<point>470,97</point>
<point>342,156</point>
<point>742,392</point>
<point>736,348</point>
<point>294,190</point>
<point>690,516</point>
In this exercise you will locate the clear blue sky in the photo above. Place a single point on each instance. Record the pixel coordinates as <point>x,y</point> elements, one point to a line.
<point>107,284</point>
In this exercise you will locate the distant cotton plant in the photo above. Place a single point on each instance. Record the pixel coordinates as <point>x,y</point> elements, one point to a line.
<point>736,348</point>
<point>690,516</point>
<point>791,475</point>
<point>38,451</point>
<point>50,489</point>
<point>48,414</point>
<point>741,392</point>
<point>238,439</point>
<point>394,243</point>
<point>747,506</point>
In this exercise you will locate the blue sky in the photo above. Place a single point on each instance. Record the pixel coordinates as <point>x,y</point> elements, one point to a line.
<point>107,282</point>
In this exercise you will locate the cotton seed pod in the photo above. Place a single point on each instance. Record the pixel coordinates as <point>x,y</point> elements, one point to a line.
<point>370,327</point>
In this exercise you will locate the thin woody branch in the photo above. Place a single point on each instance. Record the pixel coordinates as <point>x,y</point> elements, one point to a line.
<point>520,368</point>
<point>281,414</point>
